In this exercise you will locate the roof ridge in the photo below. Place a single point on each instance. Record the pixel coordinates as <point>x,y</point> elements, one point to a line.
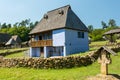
<point>59,8</point>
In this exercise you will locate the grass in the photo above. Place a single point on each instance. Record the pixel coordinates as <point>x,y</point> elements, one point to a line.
<point>100,43</point>
<point>79,73</point>
<point>42,74</point>
<point>16,55</point>
<point>114,68</point>
<point>11,50</point>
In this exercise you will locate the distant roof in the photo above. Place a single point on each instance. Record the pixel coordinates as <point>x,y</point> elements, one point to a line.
<point>4,37</point>
<point>16,38</point>
<point>62,17</point>
<point>11,42</point>
<point>114,31</point>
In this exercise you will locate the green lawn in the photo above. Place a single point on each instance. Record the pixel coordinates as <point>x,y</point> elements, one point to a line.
<point>60,74</point>
<point>16,55</point>
<point>78,73</point>
<point>11,50</point>
<point>38,74</point>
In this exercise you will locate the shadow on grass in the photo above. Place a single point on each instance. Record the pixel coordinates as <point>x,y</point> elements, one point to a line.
<point>115,75</point>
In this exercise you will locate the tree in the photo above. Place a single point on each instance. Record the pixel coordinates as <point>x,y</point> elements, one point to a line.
<point>0,25</point>
<point>31,25</point>
<point>4,25</point>
<point>9,25</point>
<point>112,23</point>
<point>90,28</point>
<point>97,34</point>
<point>103,25</point>
<point>25,22</point>
<point>16,24</point>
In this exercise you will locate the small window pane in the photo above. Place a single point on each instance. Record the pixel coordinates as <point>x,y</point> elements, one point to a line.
<point>80,34</point>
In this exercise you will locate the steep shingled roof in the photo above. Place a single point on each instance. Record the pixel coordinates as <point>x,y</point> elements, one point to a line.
<point>62,17</point>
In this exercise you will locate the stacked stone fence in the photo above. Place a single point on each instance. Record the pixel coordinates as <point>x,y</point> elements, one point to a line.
<point>53,63</point>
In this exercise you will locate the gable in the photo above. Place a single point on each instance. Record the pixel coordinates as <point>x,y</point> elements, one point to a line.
<point>74,22</point>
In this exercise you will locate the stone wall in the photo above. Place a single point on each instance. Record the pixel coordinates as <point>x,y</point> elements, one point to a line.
<point>55,63</point>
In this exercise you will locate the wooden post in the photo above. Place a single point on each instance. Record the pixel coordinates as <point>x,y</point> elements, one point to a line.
<point>104,60</point>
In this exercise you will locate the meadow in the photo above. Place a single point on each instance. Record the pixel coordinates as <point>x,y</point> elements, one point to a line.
<point>77,73</point>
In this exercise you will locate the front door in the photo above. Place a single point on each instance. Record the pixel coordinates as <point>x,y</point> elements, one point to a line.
<point>42,51</point>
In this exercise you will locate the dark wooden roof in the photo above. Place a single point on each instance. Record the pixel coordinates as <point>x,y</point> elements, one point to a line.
<point>114,31</point>
<point>108,50</point>
<point>62,17</point>
<point>13,40</point>
<point>16,39</point>
<point>4,37</point>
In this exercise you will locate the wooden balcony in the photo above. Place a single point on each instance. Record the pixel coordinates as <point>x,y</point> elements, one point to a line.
<point>41,43</point>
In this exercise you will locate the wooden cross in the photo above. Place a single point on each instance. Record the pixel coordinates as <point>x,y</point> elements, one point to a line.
<point>104,60</point>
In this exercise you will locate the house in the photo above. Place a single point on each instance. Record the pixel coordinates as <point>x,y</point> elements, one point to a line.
<point>59,33</point>
<point>14,41</point>
<point>4,37</point>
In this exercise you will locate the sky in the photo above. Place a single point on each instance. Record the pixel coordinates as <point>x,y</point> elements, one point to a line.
<point>91,12</point>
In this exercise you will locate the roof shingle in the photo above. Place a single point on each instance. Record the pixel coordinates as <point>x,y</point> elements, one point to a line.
<point>62,17</point>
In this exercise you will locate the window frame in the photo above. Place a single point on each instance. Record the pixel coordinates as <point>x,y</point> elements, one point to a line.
<point>80,34</point>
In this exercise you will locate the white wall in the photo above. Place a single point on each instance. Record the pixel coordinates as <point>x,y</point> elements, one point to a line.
<point>58,37</point>
<point>73,44</point>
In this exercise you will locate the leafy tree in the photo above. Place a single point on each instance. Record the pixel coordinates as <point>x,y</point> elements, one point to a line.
<point>9,26</point>
<point>36,23</point>
<point>24,22</point>
<point>96,34</point>
<point>103,24</point>
<point>4,25</point>
<point>16,24</point>
<point>90,27</point>
<point>112,23</point>
<point>0,25</point>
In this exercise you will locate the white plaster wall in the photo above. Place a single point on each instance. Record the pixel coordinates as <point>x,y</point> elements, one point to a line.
<point>73,44</point>
<point>58,37</point>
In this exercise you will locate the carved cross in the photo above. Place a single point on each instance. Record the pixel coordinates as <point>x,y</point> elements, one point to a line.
<point>104,60</point>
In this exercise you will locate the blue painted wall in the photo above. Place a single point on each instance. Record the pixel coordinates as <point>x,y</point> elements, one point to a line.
<point>69,40</point>
<point>73,44</point>
<point>34,52</point>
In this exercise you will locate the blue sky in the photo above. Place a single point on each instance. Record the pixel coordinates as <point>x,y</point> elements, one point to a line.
<point>89,11</point>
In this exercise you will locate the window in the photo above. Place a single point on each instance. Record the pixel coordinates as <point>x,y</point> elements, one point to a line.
<point>80,34</point>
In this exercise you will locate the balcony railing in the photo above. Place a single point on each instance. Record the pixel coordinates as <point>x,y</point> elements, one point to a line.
<point>41,43</point>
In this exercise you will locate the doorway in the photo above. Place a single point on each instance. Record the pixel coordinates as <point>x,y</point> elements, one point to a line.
<point>40,37</point>
<point>42,51</point>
